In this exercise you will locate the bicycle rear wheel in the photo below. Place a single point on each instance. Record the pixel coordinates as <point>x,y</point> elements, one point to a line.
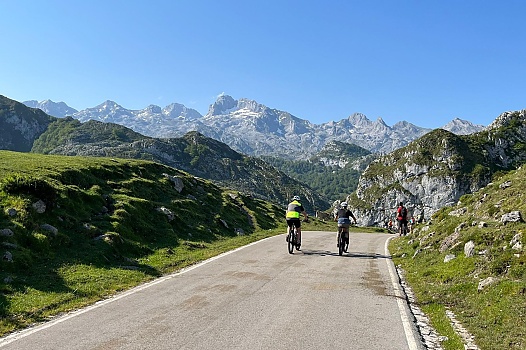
<point>298,240</point>
<point>291,240</point>
<point>345,242</point>
<point>341,241</point>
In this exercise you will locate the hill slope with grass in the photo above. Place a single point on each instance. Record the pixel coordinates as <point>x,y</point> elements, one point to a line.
<point>74,230</point>
<point>469,259</point>
<point>194,153</point>
<point>438,168</point>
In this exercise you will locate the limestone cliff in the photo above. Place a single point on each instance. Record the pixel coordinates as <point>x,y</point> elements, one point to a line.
<point>437,169</point>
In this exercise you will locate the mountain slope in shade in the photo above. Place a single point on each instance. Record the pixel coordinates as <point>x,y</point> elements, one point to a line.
<point>20,125</point>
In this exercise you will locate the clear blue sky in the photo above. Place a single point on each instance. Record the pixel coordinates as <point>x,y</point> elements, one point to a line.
<point>426,62</point>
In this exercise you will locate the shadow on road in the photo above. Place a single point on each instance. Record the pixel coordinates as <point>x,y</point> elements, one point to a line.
<point>359,255</point>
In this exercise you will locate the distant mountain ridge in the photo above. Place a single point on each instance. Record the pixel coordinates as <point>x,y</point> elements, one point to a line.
<point>255,129</point>
<point>55,109</point>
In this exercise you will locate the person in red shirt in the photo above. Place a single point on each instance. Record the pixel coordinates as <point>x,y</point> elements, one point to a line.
<point>401,217</point>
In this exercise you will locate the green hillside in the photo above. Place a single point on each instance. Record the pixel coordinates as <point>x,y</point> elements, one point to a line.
<point>74,230</point>
<point>494,314</point>
<point>194,153</point>
<point>323,172</point>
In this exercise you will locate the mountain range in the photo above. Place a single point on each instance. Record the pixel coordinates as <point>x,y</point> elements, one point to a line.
<point>253,128</point>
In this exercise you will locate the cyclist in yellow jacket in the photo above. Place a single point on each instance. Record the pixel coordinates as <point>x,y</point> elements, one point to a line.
<point>293,213</point>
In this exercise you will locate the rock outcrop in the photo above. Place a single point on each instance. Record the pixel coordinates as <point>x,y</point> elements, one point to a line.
<point>437,169</point>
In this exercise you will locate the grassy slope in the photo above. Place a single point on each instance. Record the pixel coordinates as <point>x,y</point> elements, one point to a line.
<point>110,234</point>
<point>495,315</point>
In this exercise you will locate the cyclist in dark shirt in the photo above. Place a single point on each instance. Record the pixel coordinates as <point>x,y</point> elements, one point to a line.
<point>343,216</point>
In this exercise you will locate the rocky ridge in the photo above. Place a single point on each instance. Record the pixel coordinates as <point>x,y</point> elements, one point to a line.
<point>255,129</point>
<point>437,169</point>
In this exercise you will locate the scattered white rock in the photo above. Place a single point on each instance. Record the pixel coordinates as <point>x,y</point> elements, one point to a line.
<point>516,242</point>
<point>177,182</point>
<point>449,257</point>
<point>49,228</point>
<point>469,249</point>
<point>514,216</point>
<point>169,214</point>
<point>39,206</point>
<point>486,282</point>
<point>458,212</point>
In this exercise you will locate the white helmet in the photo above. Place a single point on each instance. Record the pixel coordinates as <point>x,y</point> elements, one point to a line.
<point>343,204</point>
<point>296,198</point>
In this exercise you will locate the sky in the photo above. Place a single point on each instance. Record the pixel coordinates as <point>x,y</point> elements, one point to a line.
<point>426,62</point>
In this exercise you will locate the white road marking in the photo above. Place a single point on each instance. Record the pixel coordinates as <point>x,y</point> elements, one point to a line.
<point>26,332</point>
<point>400,297</point>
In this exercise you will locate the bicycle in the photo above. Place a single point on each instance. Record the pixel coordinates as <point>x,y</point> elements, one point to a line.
<point>293,239</point>
<point>343,240</point>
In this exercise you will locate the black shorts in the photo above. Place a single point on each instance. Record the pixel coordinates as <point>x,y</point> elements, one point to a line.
<point>295,222</point>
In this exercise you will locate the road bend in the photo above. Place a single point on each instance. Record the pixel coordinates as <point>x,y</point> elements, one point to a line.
<point>255,297</point>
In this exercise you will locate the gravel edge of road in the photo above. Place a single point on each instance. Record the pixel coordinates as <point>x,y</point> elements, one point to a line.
<point>429,336</point>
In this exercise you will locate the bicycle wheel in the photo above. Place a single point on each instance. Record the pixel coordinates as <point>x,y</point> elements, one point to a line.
<point>291,240</point>
<point>346,242</point>
<point>341,242</point>
<point>298,241</point>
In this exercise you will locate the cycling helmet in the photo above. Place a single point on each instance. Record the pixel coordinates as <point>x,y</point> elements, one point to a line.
<point>296,198</point>
<point>343,204</point>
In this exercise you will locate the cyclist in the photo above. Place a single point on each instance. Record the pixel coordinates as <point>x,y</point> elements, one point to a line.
<point>293,213</point>
<point>343,216</point>
<point>401,217</point>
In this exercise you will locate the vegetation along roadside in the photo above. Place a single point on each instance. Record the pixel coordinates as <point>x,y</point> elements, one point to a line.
<point>469,260</point>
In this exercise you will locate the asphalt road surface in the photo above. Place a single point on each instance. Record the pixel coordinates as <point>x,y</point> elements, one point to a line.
<point>256,297</point>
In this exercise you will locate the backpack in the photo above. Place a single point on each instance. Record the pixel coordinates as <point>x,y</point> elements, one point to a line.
<point>344,221</point>
<point>403,212</point>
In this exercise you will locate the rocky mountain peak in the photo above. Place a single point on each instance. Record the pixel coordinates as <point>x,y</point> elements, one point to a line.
<point>251,105</point>
<point>177,110</point>
<point>108,105</point>
<point>223,104</point>
<point>381,122</point>
<point>359,120</point>
<point>152,109</point>
<point>462,127</point>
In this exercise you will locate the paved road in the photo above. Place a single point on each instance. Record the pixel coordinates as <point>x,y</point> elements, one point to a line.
<point>257,297</point>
